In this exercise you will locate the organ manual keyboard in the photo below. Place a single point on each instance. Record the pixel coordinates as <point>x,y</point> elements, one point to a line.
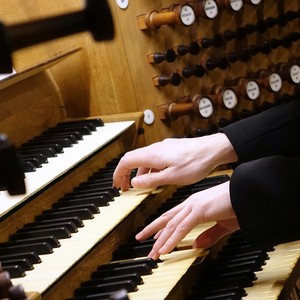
<point>71,223</point>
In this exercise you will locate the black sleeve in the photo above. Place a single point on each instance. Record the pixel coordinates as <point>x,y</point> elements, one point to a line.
<point>265,195</point>
<point>272,132</point>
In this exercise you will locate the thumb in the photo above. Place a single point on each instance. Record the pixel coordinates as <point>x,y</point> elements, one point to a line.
<point>150,180</point>
<point>212,235</point>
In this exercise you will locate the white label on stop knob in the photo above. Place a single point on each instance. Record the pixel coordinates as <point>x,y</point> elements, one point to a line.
<point>252,90</point>
<point>275,82</point>
<point>229,99</point>
<point>205,107</point>
<point>255,2</point>
<point>187,15</point>
<point>295,73</point>
<point>236,5</point>
<point>210,9</point>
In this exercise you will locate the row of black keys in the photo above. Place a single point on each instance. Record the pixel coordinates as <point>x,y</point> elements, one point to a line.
<point>61,221</point>
<point>232,271</point>
<point>125,273</point>
<point>51,142</point>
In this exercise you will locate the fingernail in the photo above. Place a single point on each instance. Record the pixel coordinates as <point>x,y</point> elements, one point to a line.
<point>138,236</point>
<point>162,250</point>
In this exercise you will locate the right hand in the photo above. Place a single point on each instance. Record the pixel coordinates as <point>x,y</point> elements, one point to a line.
<point>174,161</point>
<point>212,204</point>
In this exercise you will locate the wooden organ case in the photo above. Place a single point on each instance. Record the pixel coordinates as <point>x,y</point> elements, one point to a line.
<point>174,68</point>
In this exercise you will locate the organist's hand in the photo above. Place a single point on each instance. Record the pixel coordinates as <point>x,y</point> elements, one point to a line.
<point>174,161</point>
<point>212,204</point>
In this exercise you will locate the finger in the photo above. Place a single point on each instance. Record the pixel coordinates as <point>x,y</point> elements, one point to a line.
<point>212,235</point>
<point>142,170</point>
<point>127,163</point>
<point>155,179</point>
<point>158,224</point>
<point>125,183</point>
<point>175,230</point>
<point>132,160</point>
<point>171,239</point>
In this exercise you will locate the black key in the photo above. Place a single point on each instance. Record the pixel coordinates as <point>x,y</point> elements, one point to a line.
<point>25,264</point>
<point>98,296</point>
<point>56,220</point>
<point>57,147</point>
<point>118,264</point>
<point>56,136</point>
<point>128,285</point>
<point>40,157</point>
<point>105,195</point>
<point>135,243</point>
<point>30,256</point>
<point>74,133</point>
<point>15,271</point>
<point>51,240</point>
<point>136,278</point>
<point>83,214</point>
<point>38,248</point>
<point>104,192</point>
<point>141,269</point>
<point>63,142</point>
<point>243,278</point>
<point>103,172</point>
<point>97,122</point>
<point>223,296</point>
<point>258,259</point>
<point>70,125</point>
<point>40,225</point>
<point>248,265</point>
<point>47,151</point>
<point>237,254</point>
<point>199,293</point>
<point>93,188</point>
<point>93,208</point>
<point>207,182</point>
<point>25,233</point>
<point>34,161</point>
<point>84,130</point>
<point>69,202</point>
<point>27,166</point>
<point>137,251</point>
<point>103,176</point>
<point>103,181</point>
<point>99,183</point>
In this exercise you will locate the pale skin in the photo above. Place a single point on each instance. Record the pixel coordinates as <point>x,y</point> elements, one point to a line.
<point>181,162</point>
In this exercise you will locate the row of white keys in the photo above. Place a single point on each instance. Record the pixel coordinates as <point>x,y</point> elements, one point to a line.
<point>275,273</point>
<point>173,266</point>
<point>57,166</point>
<point>54,265</point>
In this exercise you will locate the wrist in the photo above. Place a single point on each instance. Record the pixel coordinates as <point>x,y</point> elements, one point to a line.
<point>226,151</point>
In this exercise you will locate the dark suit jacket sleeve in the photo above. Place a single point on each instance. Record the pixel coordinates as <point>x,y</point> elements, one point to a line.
<point>275,131</point>
<point>265,187</point>
<point>265,195</point>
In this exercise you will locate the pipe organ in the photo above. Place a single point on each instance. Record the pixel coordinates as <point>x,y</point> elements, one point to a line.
<point>73,106</point>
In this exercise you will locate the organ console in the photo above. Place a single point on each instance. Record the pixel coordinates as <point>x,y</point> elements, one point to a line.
<point>74,107</point>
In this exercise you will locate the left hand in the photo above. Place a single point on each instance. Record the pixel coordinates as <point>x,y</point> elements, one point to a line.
<point>170,228</point>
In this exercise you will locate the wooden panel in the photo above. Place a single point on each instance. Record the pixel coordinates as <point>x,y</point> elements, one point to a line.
<point>168,36</point>
<point>115,77</point>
